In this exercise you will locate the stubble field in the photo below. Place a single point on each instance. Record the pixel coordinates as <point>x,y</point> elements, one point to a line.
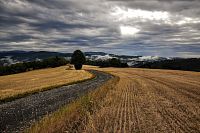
<point>12,86</point>
<point>139,100</point>
<point>146,100</point>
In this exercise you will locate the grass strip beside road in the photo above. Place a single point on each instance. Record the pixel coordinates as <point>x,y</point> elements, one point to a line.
<point>75,116</point>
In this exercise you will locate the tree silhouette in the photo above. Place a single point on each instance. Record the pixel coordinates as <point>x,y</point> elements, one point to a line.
<point>78,59</point>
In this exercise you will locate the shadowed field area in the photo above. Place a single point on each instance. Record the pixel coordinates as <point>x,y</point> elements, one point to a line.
<point>148,100</point>
<point>37,80</point>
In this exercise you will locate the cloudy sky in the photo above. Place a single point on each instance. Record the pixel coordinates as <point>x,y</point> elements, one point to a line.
<point>133,27</point>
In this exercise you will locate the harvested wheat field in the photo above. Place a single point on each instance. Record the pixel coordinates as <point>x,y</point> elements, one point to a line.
<point>146,100</point>
<point>37,80</point>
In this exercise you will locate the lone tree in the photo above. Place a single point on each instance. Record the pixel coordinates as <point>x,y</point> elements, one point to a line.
<point>78,59</point>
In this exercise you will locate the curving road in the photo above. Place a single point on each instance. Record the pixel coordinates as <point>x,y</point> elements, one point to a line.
<point>17,115</point>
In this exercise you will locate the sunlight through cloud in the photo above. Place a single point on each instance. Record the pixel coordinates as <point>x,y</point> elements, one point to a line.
<point>128,30</point>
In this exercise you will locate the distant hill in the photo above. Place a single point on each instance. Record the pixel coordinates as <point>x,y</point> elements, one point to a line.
<point>13,57</point>
<point>190,64</point>
<point>95,53</point>
<point>30,55</point>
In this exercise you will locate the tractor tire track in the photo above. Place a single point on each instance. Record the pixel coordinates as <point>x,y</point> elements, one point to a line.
<point>173,119</point>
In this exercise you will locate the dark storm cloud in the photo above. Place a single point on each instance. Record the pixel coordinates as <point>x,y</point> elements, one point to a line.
<point>157,27</point>
<point>16,38</point>
<point>59,25</point>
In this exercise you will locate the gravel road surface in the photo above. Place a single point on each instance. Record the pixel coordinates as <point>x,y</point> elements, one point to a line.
<point>17,115</point>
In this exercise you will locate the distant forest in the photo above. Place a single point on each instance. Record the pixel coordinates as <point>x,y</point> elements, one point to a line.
<point>191,64</point>
<point>114,62</point>
<point>28,66</point>
<point>54,62</point>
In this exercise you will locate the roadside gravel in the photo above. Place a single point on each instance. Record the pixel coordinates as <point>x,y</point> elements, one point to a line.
<point>17,115</point>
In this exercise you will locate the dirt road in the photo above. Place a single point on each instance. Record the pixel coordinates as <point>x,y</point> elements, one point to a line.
<point>149,101</point>
<point>19,114</point>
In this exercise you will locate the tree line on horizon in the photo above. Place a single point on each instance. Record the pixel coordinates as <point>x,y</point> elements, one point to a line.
<point>114,62</point>
<point>28,66</point>
<point>190,64</point>
<point>77,59</point>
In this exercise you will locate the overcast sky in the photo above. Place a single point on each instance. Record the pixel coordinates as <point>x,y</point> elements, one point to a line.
<point>133,27</point>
